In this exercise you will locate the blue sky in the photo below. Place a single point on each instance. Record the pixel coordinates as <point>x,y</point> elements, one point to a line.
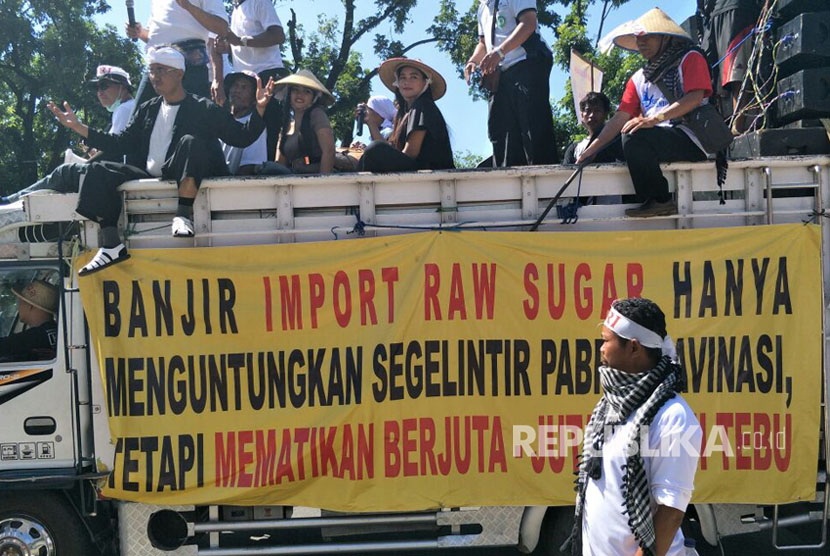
<point>467,119</point>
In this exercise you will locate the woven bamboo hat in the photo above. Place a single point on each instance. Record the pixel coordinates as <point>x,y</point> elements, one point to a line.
<point>304,78</point>
<point>389,74</point>
<point>653,22</point>
<point>42,295</point>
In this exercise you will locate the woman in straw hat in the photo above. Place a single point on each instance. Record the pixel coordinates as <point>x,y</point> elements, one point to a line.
<point>37,303</point>
<point>306,144</point>
<point>647,118</point>
<point>419,139</point>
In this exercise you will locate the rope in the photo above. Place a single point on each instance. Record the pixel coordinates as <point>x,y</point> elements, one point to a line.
<point>755,30</point>
<point>130,230</point>
<point>814,215</point>
<point>569,213</point>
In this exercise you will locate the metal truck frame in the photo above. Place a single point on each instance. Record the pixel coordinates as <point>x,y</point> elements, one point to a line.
<point>53,412</point>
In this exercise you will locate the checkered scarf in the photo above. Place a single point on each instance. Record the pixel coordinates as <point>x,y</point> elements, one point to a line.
<point>665,65</point>
<point>625,394</point>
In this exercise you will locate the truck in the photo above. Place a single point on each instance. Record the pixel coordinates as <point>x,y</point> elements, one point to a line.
<point>57,444</point>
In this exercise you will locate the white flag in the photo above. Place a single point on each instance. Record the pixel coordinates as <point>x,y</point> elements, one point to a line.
<point>585,78</point>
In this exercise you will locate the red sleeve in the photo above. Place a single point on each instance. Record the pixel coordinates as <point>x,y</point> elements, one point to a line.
<point>630,103</point>
<point>696,74</point>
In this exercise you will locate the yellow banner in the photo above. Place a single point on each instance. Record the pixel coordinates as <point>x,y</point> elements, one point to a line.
<point>446,369</point>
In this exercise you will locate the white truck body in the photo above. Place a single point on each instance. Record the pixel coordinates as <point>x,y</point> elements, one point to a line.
<point>244,211</point>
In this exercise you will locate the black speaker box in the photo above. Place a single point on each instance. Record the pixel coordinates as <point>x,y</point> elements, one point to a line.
<point>803,124</point>
<point>805,94</point>
<point>780,142</point>
<point>803,42</point>
<point>785,9</point>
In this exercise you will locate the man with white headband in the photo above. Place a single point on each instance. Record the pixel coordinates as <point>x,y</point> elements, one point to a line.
<point>631,497</point>
<point>174,136</point>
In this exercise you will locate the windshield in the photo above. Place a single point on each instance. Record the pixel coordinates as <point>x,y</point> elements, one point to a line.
<point>28,326</point>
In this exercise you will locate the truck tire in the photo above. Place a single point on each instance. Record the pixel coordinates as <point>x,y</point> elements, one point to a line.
<point>556,528</point>
<point>42,522</point>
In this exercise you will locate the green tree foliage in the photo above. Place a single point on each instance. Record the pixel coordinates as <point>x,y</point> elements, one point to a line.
<point>48,50</point>
<point>466,159</point>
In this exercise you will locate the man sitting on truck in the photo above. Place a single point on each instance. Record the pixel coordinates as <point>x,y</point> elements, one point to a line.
<point>629,500</point>
<point>674,82</point>
<point>240,88</point>
<point>593,110</point>
<point>173,136</point>
<point>37,304</point>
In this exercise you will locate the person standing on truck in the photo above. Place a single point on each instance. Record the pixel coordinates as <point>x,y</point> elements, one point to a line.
<point>419,139</point>
<point>727,26</point>
<point>187,25</point>
<point>240,88</point>
<point>645,116</point>
<point>629,501</point>
<point>37,304</point>
<point>515,64</point>
<point>173,136</point>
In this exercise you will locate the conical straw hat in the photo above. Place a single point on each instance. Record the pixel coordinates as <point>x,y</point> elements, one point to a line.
<point>389,74</point>
<point>653,22</point>
<point>305,78</point>
<point>42,295</point>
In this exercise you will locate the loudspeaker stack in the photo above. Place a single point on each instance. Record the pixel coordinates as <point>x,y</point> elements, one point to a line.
<point>801,54</point>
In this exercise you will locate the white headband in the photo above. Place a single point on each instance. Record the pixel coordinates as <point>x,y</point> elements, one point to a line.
<point>626,328</point>
<point>166,56</point>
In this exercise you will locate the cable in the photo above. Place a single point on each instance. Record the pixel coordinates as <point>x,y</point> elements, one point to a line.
<point>743,40</point>
<point>760,92</point>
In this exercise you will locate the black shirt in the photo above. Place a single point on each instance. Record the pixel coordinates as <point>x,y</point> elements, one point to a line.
<point>33,344</point>
<point>436,152</point>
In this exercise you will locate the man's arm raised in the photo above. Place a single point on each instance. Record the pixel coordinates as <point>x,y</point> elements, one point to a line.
<point>69,119</point>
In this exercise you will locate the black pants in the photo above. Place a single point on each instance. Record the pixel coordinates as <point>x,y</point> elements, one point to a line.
<point>195,81</point>
<point>520,123</point>
<point>273,113</point>
<point>646,149</point>
<point>100,200</point>
<point>380,156</point>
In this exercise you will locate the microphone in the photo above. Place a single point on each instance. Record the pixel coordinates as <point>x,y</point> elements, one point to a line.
<point>361,115</point>
<point>131,14</point>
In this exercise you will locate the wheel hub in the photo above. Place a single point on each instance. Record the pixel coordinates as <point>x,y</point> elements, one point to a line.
<point>21,536</point>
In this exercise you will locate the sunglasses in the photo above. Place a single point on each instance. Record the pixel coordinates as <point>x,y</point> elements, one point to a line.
<point>104,85</point>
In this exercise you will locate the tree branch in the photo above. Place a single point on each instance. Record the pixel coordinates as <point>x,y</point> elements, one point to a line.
<point>345,47</point>
<point>371,22</point>
<point>296,42</point>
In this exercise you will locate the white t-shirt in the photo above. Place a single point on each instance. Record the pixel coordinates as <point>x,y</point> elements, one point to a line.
<point>249,19</point>
<point>121,116</point>
<point>507,20</point>
<point>605,528</point>
<point>255,153</point>
<point>170,23</point>
<point>160,138</point>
